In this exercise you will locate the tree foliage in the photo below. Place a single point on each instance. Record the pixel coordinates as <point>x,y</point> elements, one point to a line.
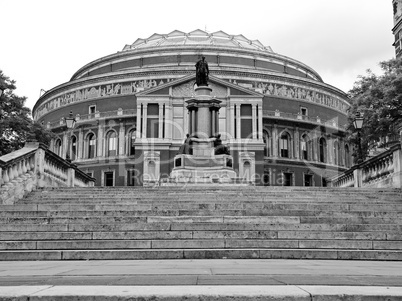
<point>379,99</point>
<point>16,124</point>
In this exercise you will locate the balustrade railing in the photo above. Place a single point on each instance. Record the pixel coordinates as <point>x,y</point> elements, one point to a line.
<point>34,166</point>
<point>316,120</point>
<point>93,116</point>
<point>383,170</point>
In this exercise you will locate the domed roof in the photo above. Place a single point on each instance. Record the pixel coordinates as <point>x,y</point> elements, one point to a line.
<point>197,37</point>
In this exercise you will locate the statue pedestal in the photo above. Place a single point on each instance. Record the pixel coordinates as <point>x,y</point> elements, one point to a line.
<point>199,169</point>
<point>203,166</point>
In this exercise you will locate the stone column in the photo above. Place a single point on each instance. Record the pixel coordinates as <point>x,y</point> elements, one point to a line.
<point>275,141</point>
<point>121,139</point>
<point>160,125</point>
<point>193,127</point>
<point>185,121</point>
<point>316,147</point>
<point>341,152</point>
<point>296,144</point>
<point>254,121</point>
<point>232,120</point>
<point>144,120</point>
<point>260,125</point>
<point>238,126</point>
<point>217,121</point>
<point>99,148</point>
<point>65,144</point>
<point>80,144</point>
<point>168,122</point>
<point>51,146</point>
<point>213,120</point>
<point>330,151</point>
<point>139,129</point>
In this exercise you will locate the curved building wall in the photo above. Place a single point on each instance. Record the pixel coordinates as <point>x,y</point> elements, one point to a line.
<point>275,110</point>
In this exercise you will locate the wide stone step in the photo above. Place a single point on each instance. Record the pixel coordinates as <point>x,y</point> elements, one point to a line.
<point>246,205</point>
<point>198,212</point>
<point>254,253</point>
<point>250,234</point>
<point>198,244</point>
<point>167,226</point>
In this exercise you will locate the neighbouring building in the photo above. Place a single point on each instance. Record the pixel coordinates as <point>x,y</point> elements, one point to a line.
<point>397,29</point>
<point>282,124</point>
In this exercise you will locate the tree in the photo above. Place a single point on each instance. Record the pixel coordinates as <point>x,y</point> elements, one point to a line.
<point>379,99</point>
<point>16,124</point>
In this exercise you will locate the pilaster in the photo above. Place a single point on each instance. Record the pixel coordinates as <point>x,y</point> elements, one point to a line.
<point>254,120</point>
<point>121,139</point>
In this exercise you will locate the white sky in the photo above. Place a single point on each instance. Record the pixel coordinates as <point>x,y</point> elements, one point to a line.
<point>43,42</point>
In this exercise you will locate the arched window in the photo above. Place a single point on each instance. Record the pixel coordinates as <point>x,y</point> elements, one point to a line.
<point>347,156</point>
<point>152,170</point>
<point>267,144</point>
<point>305,147</point>
<point>284,145</point>
<point>336,153</point>
<point>73,155</point>
<point>91,142</point>
<point>247,170</point>
<point>111,143</point>
<point>131,147</point>
<point>57,147</point>
<point>323,150</point>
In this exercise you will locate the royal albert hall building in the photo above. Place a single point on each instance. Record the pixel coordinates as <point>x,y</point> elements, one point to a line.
<point>282,124</point>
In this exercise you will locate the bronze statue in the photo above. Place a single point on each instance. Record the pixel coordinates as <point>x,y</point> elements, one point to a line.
<point>202,72</point>
<point>220,149</point>
<point>186,148</point>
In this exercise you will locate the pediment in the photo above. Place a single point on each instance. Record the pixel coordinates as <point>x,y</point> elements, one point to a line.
<point>184,87</point>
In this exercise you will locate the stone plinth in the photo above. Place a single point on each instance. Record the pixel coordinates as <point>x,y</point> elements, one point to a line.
<point>203,166</point>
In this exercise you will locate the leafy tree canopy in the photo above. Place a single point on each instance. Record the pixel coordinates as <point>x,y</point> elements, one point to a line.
<point>16,124</point>
<point>379,99</point>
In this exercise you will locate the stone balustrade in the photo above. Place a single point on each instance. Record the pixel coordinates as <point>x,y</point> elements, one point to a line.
<point>95,116</point>
<point>34,166</point>
<point>346,179</point>
<point>383,170</point>
<point>316,120</point>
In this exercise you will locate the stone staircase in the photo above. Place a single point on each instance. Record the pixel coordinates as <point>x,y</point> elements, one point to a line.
<point>203,222</point>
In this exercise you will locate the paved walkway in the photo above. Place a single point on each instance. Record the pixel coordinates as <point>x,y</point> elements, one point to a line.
<point>202,272</point>
<point>293,279</point>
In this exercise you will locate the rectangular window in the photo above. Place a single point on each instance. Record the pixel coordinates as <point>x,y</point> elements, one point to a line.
<point>287,179</point>
<point>109,178</point>
<point>246,124</point>
<point>308,180</point>
<point>152,127</point>
<point>92,109</point>
<point>152,120</point>
<point>303,111</point>
<point>266,178</point>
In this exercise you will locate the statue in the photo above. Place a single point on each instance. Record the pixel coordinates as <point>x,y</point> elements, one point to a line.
<point>186,148</point>
<point>220,149</point>
<point>202,72</point>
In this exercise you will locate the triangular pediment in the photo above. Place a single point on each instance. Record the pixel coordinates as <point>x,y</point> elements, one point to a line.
<point>184,87</point>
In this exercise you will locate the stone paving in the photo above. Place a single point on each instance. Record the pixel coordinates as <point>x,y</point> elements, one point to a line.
<point>202,272</point>
<point>200,280</point>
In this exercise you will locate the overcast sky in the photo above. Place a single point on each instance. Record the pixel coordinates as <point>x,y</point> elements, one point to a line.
<point>43,42</point>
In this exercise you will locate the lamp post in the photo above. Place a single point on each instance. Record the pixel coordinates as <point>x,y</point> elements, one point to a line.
<point>70,123</point>
<point>358,124</point>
